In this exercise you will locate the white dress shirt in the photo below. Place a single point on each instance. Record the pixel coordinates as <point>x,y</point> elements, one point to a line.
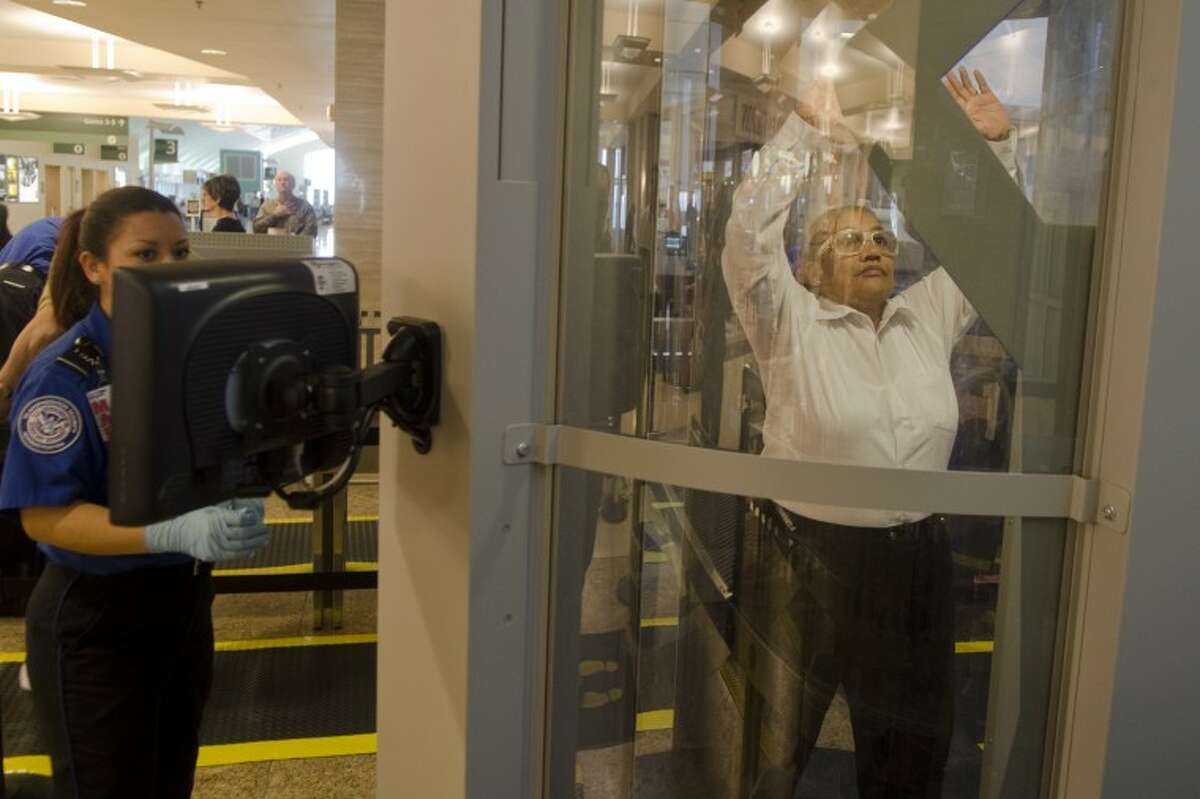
<point>838,390</point>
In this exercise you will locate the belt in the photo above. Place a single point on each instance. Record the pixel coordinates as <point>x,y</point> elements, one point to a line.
<point>188,569</point>
<point>793,525</point>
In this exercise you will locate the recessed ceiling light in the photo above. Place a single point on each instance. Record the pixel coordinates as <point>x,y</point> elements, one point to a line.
<point>212,51</point>
<point>73,3</point>
<point>847,34</point>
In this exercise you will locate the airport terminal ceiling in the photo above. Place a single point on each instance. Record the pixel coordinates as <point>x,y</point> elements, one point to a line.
<point>758,50</point>
<point>284,48</point>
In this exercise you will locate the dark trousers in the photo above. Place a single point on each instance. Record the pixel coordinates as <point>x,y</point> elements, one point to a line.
<point>121,667</point>
<point>870,610</point>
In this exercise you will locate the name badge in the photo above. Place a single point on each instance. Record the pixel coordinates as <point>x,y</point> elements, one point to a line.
<point>100,400</point>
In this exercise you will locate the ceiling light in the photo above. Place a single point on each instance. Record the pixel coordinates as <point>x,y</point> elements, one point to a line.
<point>72,3</point>
<point>628,47</point>
<point>101,75</point>
<point>212,51</point>
<point>847,34</point>
<point>768,25</point>
<point>184,108</point>
<point>10,97</point>
<point>766,82</point>
<point>830,69</point>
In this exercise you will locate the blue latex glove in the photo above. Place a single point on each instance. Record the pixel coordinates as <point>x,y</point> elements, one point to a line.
<point>227,531</point>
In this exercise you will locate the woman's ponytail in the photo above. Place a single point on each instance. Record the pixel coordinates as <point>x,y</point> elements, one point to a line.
<point>71,293</point>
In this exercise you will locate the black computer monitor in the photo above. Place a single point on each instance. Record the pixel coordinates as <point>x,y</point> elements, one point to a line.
<point>211,389</point>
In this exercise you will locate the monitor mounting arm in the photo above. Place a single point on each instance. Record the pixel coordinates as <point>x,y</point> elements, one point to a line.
<point>406,385</point>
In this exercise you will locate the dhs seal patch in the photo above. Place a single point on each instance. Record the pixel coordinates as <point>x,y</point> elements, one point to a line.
<point>49,425</point>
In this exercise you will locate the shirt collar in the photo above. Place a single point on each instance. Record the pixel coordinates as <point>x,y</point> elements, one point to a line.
<point>98,327</point>
<point>828,309</point>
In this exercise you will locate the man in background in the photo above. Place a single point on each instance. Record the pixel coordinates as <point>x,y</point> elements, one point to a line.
<point>287,213</point>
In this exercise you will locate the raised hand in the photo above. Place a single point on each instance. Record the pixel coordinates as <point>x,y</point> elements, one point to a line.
<point>980,104</point>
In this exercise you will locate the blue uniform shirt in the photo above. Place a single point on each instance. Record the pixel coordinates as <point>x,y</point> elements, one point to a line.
<point>33,245</point>
<point>57,454</point>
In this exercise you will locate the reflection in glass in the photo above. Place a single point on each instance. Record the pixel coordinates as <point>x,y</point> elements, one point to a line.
<point>740,173</point>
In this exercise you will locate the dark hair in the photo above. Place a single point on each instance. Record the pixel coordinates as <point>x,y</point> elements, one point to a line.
<point>225,189</point>
<point>91,230</point>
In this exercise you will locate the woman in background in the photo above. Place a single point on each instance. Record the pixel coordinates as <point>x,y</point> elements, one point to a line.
<point>219,198</point>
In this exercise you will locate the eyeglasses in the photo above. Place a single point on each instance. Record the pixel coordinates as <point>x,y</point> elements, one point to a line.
<point>851,241</point>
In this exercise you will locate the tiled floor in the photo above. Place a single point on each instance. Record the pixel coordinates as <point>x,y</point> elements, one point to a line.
<point>324,778</point>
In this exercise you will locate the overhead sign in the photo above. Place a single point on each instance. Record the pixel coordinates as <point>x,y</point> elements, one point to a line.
<point>114,152</point>
<point>166,151</point>
<point>71,123</point>
<point>69,148</point>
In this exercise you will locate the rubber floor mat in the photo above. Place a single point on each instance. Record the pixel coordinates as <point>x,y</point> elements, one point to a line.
<point>258,695</point>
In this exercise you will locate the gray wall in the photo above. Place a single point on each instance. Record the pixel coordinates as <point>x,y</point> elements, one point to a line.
<point>1156,702</point>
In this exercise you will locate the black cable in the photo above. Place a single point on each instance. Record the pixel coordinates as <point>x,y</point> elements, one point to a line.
<point>308,500</point>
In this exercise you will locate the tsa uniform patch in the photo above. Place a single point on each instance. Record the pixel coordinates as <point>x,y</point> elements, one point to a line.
<point>101,401</point>
<point>49,425</point>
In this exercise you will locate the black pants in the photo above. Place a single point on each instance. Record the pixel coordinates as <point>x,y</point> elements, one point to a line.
<point>870,610</point>
<point>121,667</point>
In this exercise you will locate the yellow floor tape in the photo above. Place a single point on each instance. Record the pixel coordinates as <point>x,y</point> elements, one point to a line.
<point>261,643</point>
<point>233,754</point>
<point>974,647</point>
<point>30,764</point>
<point>294,749</point>
<point>297,641</point>
<point>654,720</point>
<point>661,621</point>
<point>293,568</point>
<point>960,648</point>
<point>307,519</point>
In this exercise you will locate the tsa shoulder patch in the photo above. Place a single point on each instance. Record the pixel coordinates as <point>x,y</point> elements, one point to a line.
<point>49,425</point>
